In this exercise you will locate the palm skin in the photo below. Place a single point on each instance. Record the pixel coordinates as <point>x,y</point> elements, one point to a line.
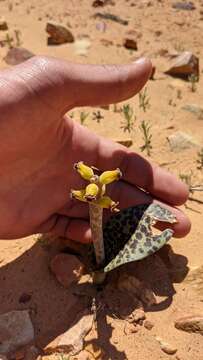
<point>39,146</point>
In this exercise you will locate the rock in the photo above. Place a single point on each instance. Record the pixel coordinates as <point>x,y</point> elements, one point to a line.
<point>130,43</point>
<point>98,3</point>
<point>71,342</point>
<point>3,24</point>
<point>67,269</point>
<point>194,109</point>
<point>58,34</point>
<point>101,26</point>
<point>130,328</point>
<point>138,315</point>
<point>148,325</point>
<point>184,5</point>
<point>16,330</point>
<point>127,142</point>
<point>181,141</point>
<point>17,55</point>
<point>190,324</point>
<point>165,347</point>
<point>185,65</point>
<point>137,288</point>
<point>82,46</point>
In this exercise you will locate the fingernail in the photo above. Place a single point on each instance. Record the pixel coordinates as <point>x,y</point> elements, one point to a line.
<point>141,61</point>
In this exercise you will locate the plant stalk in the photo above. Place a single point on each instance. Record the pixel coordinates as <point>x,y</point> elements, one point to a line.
<point>96,218</point>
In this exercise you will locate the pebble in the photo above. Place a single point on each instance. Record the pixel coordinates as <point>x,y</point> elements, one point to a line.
<point>184,6</point>
<point>3,24</point>
<point>148,325</point>
<point>127,142</point>
<point>191,324</point>
<point>180,141</point>
<point>194,109</point>
<point>184,65</point>
<point>165,347</point>
<point>67,269</point>
<point>130,43</point>
<point>130,328</point>
<point>72,340</point>
<point>58,34</point>
<point>17,55</point>
<point>16,330</point>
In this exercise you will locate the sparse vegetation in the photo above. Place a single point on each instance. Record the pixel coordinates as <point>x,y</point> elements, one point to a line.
<point>129,118</point>
<point>97,116</point>
<point>83,117</point>
<point>147,137</point>
<point>144,100</point>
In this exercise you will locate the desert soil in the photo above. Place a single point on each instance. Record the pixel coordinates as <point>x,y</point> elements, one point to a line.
<point>160,31</point>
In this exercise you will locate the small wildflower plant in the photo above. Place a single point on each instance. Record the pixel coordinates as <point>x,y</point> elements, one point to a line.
<point>127,236</point>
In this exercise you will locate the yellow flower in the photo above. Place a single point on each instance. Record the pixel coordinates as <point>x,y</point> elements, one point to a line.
<point>85,171</point>
<point>106,203</point>
<point>95,190</point>
<point>78,194</point>
<point>91,192</point>
<point>108,177</point>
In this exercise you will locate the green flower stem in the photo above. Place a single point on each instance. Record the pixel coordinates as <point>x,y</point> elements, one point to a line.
<point>96,217</point>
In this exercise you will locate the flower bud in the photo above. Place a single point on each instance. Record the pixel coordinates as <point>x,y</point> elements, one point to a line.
<point>78,194</point>
<point>91,192</point>
<point>106,203</point>
<point>85,171</point>
<point>108,177</point>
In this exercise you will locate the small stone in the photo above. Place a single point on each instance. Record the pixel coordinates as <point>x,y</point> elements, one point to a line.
<point>16,330</point>
<point>127,142</point>
<point>184,5</point>
<point>137,288</point>
<point>3,24</point>
<point>138,314</point>
<point>165,347</point>
<point>17,55</point>
<point>194,109</point>
<point>190,324</point>
<point>58,34</point>
<point>180,141</point>
<point>71,341</point>
<point>67,269</point>
<point>130,44</point>
<point>101,26</point>
<point>185,65</point>
<point>148,325</point>
<point>130,328</point>
<point>99,3</point>
<point>82,46</point>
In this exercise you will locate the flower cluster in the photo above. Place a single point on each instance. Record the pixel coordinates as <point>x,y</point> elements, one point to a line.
<point>94,192</point>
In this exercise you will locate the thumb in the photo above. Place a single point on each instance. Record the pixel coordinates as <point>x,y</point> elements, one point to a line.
<point>67,85</point>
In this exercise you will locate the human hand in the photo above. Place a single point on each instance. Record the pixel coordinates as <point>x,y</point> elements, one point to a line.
<point>39,146</point>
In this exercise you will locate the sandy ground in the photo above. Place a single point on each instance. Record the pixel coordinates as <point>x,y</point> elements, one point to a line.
<point>24,263</point>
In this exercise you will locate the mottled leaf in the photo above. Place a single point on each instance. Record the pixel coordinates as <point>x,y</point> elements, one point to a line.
<point>128,235</point>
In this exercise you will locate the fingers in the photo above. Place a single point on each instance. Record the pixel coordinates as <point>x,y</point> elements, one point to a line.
<point>136,170</point>
<point>65,85</point>
<point>60,225</point>
<point>128,195</point>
